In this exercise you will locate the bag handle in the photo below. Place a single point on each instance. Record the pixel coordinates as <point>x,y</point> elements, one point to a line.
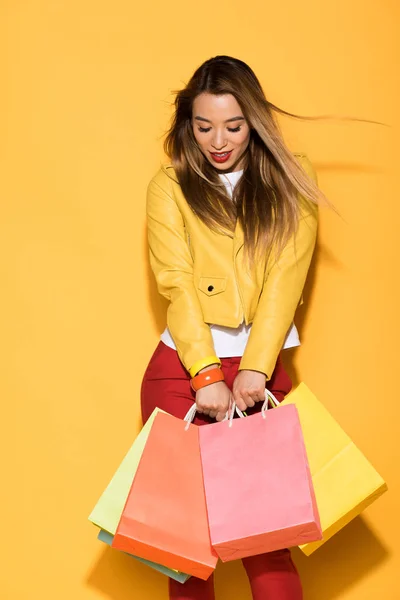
<point>269,397</point>
<point>188,418</point>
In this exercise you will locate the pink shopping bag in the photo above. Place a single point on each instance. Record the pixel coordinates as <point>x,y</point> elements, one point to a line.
<point>258,486</point>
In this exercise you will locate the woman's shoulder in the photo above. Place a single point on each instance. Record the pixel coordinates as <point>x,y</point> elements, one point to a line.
<point>306,164</point>
<point>165,176</point>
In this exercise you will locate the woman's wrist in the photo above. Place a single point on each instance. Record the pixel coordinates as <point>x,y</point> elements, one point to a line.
<point>207,376</point>
<point>201,364</point>
<point>209,368</point>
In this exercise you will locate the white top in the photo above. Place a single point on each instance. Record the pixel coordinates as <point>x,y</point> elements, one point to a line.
<point>231,341</point>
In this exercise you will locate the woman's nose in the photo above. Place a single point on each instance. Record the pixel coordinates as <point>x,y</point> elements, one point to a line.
<point>218,142</point>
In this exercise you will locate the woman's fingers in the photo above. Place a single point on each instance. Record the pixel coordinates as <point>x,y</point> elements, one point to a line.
<point>213,400</point>
<point>249,388</point>
<point>220,416</point>
<point>239,400</point>
<point>259,395</point>
<point>248,398</point>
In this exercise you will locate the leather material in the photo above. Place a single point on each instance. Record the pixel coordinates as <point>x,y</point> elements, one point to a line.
<point>203,275</point>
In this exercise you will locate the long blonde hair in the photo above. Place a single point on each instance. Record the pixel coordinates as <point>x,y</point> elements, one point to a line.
<point>266,198</point>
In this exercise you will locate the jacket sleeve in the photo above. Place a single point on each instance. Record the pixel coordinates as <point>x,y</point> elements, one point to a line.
<point>282,291</point>
<point>172,265</point>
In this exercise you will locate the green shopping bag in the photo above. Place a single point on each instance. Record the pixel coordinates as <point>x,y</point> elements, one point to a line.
<point>108,510</point>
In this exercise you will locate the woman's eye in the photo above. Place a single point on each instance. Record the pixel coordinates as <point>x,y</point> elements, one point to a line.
<point>204,129</point>
<point>235,129</point>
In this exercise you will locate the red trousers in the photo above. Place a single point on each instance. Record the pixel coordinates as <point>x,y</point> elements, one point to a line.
<point>166,384</point>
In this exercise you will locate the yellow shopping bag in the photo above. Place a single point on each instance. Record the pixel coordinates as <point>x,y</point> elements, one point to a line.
<point>345,482</point>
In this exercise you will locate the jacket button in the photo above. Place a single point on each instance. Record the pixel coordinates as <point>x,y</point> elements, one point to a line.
<point>210,288</point>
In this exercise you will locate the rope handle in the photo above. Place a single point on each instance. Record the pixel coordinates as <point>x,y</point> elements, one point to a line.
<point>269,397</point>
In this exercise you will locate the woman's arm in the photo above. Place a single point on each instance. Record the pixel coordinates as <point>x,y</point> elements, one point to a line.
<point>172,265</point>
<point>282,292</point>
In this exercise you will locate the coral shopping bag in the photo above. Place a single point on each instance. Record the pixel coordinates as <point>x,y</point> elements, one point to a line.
<point>165,516</point>
<point>258,485</point>
<point>107,538</point>
<point>107,512</point>
<point>345,482</point>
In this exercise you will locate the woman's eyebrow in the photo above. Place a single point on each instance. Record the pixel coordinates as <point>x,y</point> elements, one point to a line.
<point>198,118</point>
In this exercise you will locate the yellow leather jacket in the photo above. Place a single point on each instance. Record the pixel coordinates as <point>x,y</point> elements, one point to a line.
<point>203,275</point>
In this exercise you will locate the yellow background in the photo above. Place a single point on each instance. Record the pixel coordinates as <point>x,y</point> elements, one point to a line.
<point>85,100</point>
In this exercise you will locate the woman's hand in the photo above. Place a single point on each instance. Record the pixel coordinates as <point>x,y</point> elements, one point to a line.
<point>249,388</point>
<point>214,400</point>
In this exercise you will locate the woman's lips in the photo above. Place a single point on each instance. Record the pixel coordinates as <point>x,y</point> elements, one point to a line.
<point>221,157</point>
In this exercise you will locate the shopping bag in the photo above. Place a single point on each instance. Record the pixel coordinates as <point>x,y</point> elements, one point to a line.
<point>107,512</point>
<point>165,517</point>
<point>107,538</point>
<point>258,485</point>
<point>344,480</point>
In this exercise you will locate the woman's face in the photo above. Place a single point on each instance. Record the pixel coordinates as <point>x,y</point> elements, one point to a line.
<point>221,130</point>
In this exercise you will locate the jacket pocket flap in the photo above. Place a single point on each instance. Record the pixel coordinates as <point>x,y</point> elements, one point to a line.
<point>212,285</point>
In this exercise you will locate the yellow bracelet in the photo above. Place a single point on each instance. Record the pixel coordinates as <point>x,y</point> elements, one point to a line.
<point>204,362</point>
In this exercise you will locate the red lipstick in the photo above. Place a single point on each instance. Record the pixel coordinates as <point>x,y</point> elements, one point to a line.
<point>221,157</point>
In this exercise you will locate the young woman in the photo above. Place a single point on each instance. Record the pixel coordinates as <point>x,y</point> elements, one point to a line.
<point>232,225</point>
